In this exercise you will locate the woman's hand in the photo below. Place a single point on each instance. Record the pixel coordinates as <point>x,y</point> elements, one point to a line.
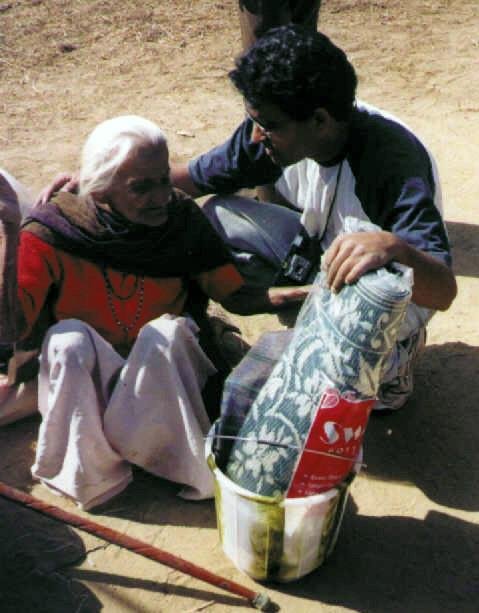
<point>9,207</point>
<point>64,181</point>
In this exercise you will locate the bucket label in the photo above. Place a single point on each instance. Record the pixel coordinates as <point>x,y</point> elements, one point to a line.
<point>337,429</point>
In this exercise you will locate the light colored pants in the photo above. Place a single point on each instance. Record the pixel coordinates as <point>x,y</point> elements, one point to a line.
<point>102,413</point>
<point>259,234</point>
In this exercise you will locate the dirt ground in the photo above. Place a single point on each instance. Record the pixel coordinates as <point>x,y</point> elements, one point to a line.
<point>410,537</point>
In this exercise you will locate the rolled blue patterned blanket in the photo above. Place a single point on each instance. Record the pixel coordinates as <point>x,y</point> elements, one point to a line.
<point>341,343</point>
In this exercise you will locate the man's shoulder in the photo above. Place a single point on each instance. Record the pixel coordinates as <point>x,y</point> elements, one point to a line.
<point>370,121</point>
<point>387,132</point>
<point>381,142</point>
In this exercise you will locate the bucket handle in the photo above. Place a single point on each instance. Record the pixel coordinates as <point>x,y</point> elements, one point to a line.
<point>261,441</point>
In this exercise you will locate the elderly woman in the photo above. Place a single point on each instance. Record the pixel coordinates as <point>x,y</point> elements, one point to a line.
<point>106,275</point>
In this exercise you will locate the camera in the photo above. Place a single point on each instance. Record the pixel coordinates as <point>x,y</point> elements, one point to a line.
<point>302,259</point>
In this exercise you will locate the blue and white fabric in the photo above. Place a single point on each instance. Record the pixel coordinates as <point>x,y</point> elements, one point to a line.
<point>341,341</point>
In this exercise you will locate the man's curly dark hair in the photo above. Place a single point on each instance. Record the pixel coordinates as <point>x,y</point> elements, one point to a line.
<point>298,71</point>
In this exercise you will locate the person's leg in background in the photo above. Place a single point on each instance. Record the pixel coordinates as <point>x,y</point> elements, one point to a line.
<point>305,12</point>
<point>258,16</point>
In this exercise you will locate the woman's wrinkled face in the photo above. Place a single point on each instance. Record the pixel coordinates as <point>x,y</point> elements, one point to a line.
<point>141,189</point>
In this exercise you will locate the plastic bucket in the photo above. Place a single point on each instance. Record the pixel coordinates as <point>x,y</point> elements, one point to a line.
<point>276,539</point>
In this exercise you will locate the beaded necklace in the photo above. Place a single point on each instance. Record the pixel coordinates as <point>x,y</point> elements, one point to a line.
<point>110,293</point>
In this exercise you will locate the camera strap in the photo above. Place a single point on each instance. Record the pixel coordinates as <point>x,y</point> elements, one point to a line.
<point>305,252</point>
<point>332,202</point>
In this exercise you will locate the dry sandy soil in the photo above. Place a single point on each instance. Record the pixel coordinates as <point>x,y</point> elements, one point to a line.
<point>410,537</point>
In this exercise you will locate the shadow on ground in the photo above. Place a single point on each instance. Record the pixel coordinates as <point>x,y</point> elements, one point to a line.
<point>113,581</point>
<point>433,441</point>
<point>34,551</point>
<point>398,564</point>
<point>151,500</point>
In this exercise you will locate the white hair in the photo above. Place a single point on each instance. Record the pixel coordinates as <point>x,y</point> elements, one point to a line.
<point>109,145</point>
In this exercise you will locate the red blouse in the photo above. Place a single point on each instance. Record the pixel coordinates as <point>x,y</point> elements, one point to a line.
<point>77,289</point>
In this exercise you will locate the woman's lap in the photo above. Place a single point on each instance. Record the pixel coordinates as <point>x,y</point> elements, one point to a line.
<point>86,392</point>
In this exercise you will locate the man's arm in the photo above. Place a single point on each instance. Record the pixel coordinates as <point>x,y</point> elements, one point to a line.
<point>181,179</point>
<point>237,163</point>
<point>352,255</point>
<point>251,301</point>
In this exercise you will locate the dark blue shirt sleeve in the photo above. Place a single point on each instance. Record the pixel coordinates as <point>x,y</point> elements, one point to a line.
<point>396,185</point>
<point>416,219</point>
<point>235,164</point>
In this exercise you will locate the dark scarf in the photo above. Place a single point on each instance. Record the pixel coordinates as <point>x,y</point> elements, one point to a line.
<point>182,247</point>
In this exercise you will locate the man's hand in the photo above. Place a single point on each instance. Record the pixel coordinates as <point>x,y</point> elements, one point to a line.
<point>352,255</point>
<point>9,207</point>
<point>64,181</point>
<point>180,178</point>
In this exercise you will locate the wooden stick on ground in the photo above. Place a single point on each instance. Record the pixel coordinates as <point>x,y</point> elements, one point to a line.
<point>258,600</point>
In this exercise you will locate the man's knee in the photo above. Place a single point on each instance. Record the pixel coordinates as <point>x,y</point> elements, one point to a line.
<point>237,218</point>
<point>210,207</point>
